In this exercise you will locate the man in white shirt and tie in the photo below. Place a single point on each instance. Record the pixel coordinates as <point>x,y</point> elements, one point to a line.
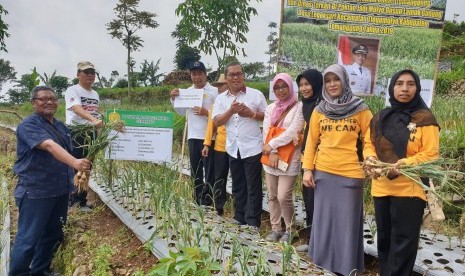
<point>359,75</point>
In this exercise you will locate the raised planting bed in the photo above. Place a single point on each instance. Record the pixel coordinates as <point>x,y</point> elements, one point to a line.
<point>183,225</point>
<point>4,227</point>
<point>437,254</point>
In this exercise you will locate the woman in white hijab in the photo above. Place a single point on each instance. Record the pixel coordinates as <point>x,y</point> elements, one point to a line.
<point>331,165</point>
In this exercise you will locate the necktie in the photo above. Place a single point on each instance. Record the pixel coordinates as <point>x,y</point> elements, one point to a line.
<point>360,68</point>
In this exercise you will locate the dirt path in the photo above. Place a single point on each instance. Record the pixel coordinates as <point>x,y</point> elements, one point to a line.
<point>87,235</point>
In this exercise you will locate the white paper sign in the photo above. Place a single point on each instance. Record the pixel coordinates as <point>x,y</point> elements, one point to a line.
<point>427,88</point>
<point>142,144</point>
<point>188,98</point>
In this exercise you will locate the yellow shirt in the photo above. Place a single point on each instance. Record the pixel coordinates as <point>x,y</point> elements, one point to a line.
<point>332,144</point>
<point>220,139</point>
<point>423,146</point>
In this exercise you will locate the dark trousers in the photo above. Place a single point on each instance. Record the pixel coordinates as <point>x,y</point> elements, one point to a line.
<point>79,152</point>
<point>40,231</point>
<point>398,221</point>
<point>246,176</point>
<point>202,189</point>
<point>308,194</point>
<point>221,160</point>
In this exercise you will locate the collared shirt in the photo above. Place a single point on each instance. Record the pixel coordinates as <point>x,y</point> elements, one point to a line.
<point>89,100</point>
<point>360,80</point>
<point>242,134</point>
<point>197,124</point>
<point>40,174</point>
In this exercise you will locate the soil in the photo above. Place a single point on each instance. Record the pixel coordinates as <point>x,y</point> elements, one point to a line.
<point>104,227</point>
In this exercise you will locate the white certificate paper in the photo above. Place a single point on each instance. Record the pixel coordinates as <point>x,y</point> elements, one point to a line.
<point>188,98</point>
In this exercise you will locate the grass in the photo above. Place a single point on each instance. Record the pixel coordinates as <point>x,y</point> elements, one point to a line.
<point>64,257</point>
<point>102,256</point>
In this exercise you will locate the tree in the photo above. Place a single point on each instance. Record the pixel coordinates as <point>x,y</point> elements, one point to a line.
<point>128,21</point>
<point>273,44</point>
<point>184,53</point>
<point>121,83</point>
<point>59,84</point>
<point>113,78</point>
<point>45,78</point>
<point>254,69</point>
<point>148,74</point>
<point>21,93</point>
<point>217,25</point>
<point>7,72</point>
<point>3,30</point>
<point>104,83</point>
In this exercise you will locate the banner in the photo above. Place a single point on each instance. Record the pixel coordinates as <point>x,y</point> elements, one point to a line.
<point>148,136</point>
<point>372,39</point>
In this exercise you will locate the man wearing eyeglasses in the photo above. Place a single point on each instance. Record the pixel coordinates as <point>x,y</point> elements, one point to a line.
<point>45,179</point>
<point>82,107</point>
<point>241,109</point>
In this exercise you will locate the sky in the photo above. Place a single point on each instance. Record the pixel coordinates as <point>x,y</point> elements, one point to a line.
<point>55,35</point>
<point>52,34</point>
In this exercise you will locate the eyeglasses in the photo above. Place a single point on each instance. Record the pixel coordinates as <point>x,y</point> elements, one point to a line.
<point>235,75</point>
<point>284,87</point>
<point>88,71</point>
<point>46,99</point>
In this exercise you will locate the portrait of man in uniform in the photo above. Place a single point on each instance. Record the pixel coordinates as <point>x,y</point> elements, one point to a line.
<point>359,75</point>
<point>359,57</point>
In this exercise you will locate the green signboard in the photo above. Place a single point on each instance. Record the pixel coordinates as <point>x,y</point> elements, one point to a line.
<point>141,118</point>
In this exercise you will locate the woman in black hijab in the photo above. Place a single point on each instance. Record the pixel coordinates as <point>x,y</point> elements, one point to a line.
<point>310,84</point>
<point>405,133</point>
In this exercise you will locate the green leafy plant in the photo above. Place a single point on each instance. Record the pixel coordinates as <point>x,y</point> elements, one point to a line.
<point>102,138</point>
<point>102,260</point>
<point>189,261</point>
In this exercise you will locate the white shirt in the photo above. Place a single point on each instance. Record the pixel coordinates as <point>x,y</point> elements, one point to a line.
<point>197,124</point>
<point>89,100</point>
<point>360,82</point>
<point>242,133</point>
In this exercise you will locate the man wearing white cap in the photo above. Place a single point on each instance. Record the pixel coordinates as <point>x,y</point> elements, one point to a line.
<point>82,107</point>
<point>359,75</point>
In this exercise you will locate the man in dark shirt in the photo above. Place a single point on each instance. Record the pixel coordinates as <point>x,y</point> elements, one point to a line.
<point>45,180</point>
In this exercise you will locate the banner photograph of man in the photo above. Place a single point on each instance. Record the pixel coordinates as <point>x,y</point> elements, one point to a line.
<point>359,57</point>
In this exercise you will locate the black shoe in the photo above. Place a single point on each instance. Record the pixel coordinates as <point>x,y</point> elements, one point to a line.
<point>85,208</point>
